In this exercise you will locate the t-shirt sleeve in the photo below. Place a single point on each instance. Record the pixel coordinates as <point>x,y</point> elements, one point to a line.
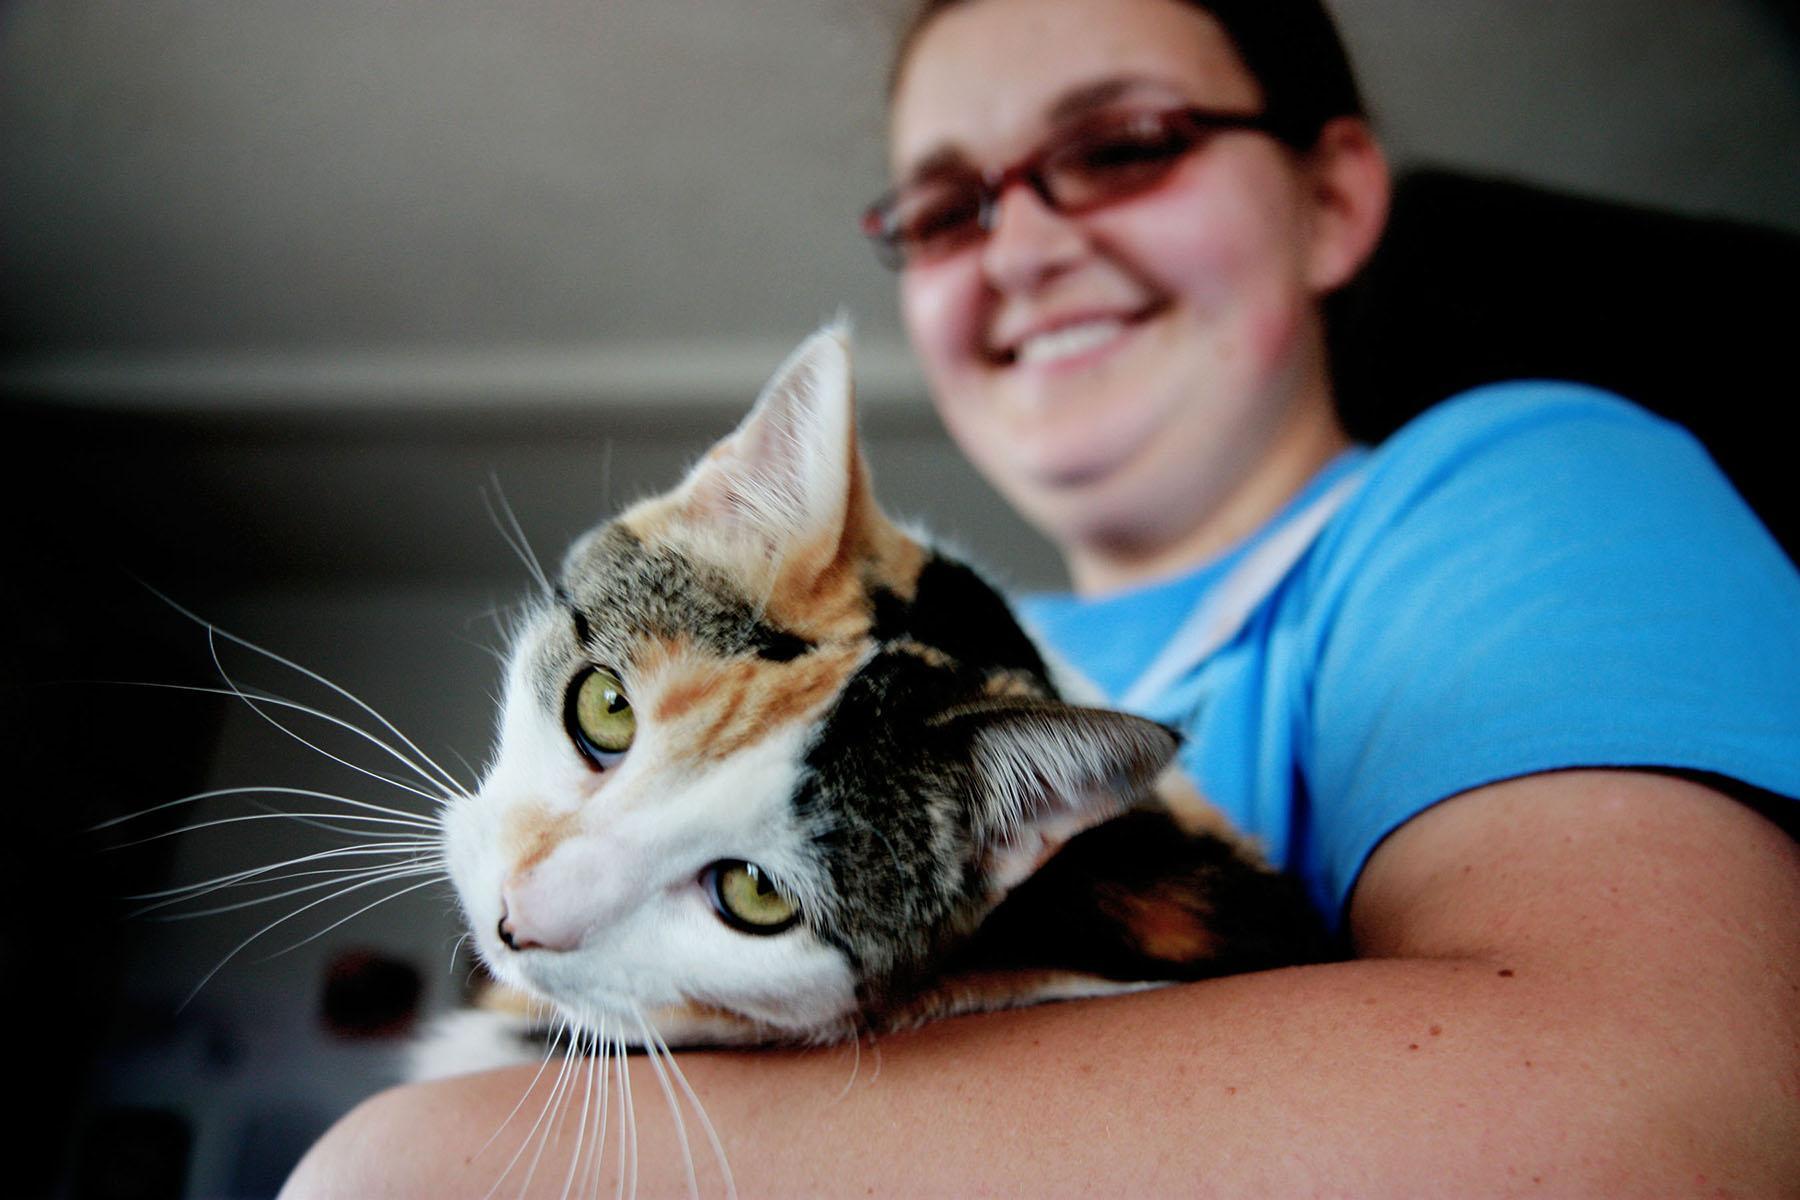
<point>1539,577</point>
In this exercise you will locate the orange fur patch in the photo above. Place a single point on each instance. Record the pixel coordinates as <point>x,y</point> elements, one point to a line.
<point>930,655</point>
<point>1011,684</point>
<point>494,996</point>
<point>677,701</point>
<point>774,695</point>
<point>822,591</point>
<point>1161,923</point>
<point>533,832</point>
<point>713,707</point>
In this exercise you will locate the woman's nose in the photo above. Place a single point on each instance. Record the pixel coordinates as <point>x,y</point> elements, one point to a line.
<point>1028,241</point>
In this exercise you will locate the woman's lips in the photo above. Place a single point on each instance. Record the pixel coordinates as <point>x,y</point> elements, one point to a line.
<point>1067,340</point>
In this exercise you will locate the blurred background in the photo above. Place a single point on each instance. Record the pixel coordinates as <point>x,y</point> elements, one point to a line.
<point>290,294</point>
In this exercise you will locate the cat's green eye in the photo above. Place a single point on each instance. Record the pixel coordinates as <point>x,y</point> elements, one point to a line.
<point>600,717</point>
<point>747,899</point>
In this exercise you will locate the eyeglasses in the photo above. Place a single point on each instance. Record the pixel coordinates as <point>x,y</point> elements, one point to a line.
<point>1099,162</point>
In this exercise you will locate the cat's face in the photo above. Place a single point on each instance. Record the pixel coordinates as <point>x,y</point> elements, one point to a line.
<point>764,755</point>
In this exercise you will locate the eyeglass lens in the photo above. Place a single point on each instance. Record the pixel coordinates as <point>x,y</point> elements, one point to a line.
<point>1101,164</point>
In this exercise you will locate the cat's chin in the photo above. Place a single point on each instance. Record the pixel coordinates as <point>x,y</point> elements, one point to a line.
<point>681,1023</point>
<point>594,1010</point>
<point>691,1025</point>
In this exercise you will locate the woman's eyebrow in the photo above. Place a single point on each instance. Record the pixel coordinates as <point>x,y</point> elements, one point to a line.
<point>1085,98</point>
<point>1071,105</point>
<point>940,161</point>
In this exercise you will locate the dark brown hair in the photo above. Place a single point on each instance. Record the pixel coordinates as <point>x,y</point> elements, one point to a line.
<point>1291,47</point>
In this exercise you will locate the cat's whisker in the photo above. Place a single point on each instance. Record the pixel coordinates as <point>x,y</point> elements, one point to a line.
<point>394,870</point>
<point>235,950</point>
<point>407,856</point>
<point>591,1105</point>
<point>706,1125</point>
<point>494,613</point>
<point>431,823</point>
<point>258,696</point>
<point>454,947</point>
<point>169,898</point>
<point>543,1065</point>
<point>324,821</point>
<point>455,785</point>
<point>255,705</point>
<point>628,1158</point>
<point>560,1029</point>
<point>583,1147</point>
<point>606,466</point>
<point>855,1062</point>
<point>213,630</point>
<point>253,875</point>
<point>603,1053</point>
<point>513,533</point>
<point>436,876</point>
<point>654,1057</point>
<point>555,1105</point>
<point>466,764</point>
<point>339,876</point>
<point>581,1125</point>
<point>280,815</point>
<point>492,652</point>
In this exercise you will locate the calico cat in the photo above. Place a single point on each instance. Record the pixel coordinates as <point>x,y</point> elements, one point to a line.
<point>773,770</point>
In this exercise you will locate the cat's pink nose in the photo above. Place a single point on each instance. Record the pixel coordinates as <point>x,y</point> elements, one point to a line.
<point>523,928</point>
<point>509,934</point>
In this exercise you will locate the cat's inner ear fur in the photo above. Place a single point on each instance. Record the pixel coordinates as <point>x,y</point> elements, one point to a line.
<point>1043,771</point>
<point>788,483</point>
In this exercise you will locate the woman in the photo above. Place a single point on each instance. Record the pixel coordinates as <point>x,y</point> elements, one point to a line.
<point>1567,975</point>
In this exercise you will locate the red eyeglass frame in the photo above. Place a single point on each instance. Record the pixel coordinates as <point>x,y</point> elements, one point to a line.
<point>877,221</point>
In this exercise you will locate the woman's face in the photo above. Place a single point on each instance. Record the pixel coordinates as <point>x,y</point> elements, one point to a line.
<point>1120,375</point>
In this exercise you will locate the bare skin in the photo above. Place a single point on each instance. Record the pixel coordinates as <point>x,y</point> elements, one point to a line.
<point>1559,993</point>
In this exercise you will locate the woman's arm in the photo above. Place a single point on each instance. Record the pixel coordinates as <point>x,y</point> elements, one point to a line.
<point>1583,982</point>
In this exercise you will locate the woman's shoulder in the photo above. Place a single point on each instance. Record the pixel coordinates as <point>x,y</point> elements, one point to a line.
<point>1538,455</point>
<point>1517,415</point>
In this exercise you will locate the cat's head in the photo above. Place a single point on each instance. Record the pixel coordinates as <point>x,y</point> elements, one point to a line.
<point>766,754</point>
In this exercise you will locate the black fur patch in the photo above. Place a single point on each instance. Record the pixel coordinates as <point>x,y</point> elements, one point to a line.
<point>889,814</point>
<point>777,645</point>
<point>954,610</point>
<point>582,633</point>
<point>1077,911</point>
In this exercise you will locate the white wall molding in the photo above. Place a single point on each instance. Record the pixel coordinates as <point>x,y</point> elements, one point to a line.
<point>648,377</point>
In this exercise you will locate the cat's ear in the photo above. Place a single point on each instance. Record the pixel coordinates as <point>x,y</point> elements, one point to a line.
<point>788,477</point>
<point>1044,771</point>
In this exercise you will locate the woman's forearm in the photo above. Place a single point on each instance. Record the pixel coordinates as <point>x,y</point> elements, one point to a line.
<point>1363,1077</point>
<point>1580,984</point>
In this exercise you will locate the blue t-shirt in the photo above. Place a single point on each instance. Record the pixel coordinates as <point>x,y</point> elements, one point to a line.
<point>1530,576</point>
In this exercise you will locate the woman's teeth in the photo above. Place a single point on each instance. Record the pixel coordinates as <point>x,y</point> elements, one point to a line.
<point>1067,341</point>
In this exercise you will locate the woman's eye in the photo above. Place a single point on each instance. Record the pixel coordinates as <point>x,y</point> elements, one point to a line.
<point>1124,152</point>
<point>600,717</point>
<point>747,900</point>
<point>941,213</point>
